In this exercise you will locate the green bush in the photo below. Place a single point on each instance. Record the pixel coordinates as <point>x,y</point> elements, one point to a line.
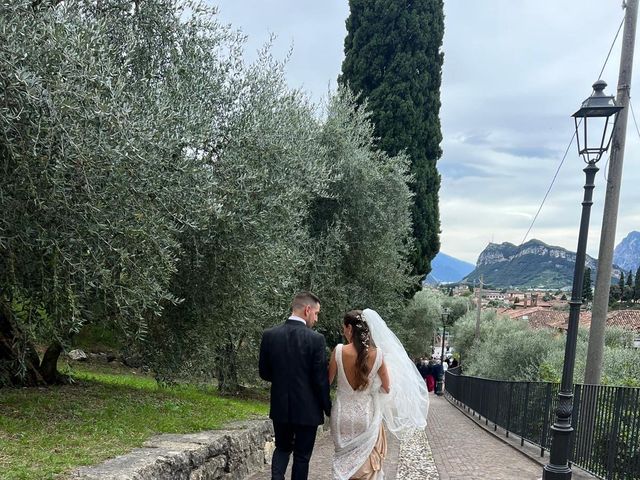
<point>511,350</point>
<point>422,318</point>
<point>507,349</point>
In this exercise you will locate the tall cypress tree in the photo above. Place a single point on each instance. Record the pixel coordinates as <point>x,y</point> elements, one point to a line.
<point>393,60</point>
<point>627,292</point>
<point>621,282</point>
<point>636,286</point>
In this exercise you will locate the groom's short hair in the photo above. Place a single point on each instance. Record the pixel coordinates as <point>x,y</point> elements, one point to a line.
<point>303,299</point>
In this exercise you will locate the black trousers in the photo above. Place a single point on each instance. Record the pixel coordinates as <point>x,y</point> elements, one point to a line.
<point>298,439</point>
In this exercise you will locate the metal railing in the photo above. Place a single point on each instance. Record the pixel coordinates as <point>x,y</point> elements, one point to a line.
<point>606,420</point>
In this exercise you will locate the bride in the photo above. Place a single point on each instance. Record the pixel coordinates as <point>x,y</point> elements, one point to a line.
<point>378,387</point>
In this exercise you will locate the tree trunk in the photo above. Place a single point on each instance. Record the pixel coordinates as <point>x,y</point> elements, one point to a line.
<point>227,369</point>
<point>19,367</point>
<point>49,366</point>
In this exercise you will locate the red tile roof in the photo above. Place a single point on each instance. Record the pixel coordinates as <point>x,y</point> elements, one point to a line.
<point>625,318</point>
<point>539,317</point>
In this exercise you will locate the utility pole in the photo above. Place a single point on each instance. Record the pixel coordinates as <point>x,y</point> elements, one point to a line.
<point>593,370</point>
<point>477,334</point>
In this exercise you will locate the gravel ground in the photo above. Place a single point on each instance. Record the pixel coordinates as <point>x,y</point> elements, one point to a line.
<point>416,460</point>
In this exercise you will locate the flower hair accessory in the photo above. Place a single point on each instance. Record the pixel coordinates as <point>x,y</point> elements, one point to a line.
<point>363,331</point>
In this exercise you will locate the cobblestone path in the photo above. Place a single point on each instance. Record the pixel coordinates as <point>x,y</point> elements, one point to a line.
<point>454,448</point>
<point>462,450</point>
<point>410,460</point>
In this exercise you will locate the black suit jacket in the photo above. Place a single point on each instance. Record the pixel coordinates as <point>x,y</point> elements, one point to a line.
<point>293,358</point>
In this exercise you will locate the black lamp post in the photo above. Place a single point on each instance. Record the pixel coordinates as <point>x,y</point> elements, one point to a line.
<point>445,315</point>
<point>597,109</point>
<point>440,380</point>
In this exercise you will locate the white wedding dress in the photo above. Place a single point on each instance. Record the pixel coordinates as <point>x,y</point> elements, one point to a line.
<point>356,417</point>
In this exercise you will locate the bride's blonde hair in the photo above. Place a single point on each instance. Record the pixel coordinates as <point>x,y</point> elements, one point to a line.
<point>361,340</point>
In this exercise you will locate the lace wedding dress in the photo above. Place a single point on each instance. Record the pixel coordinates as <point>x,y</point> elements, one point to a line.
<point>357,415</point>
<point>356,419</point>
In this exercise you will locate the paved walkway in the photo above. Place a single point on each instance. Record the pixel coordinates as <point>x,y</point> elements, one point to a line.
<point>455,446</point>
<point>320,465</point>
<point>462,450</point>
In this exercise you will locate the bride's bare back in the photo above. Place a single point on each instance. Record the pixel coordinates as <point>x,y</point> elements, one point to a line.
<point>349,357</point>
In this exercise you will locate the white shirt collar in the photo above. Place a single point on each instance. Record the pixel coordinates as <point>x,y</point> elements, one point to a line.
<point>295,317</point>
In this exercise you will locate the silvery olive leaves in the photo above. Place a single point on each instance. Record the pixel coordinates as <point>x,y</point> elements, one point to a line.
<point>154,181</point>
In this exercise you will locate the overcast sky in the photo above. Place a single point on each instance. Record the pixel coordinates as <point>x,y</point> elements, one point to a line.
<point>514,72</point>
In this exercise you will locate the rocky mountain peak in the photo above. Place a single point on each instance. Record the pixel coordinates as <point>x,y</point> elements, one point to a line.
<point>627,252</point>
<point>532,264</point>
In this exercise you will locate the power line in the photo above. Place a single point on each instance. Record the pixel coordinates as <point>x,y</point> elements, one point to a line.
<point>611,48</point>
<point>553,180</point>
<point>549,189</point>
<point>573,136</point>
<point>633,115</point>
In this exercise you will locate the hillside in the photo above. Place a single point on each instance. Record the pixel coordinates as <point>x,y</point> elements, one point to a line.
<point>448,269</point>
<point>533,264</point>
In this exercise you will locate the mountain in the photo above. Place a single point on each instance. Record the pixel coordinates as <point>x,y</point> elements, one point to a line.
<point>627,253</point>
<point>448,269</point>
<point>532,264</point>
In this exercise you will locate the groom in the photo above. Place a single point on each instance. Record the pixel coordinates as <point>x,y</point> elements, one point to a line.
<point>293,359</point>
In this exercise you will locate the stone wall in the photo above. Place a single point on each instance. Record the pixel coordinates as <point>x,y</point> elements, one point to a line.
<point>242,448</point>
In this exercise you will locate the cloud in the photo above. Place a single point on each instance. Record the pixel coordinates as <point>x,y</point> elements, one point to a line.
<point>513,74</point>
<point>529,151</point>
<point>314,30</point>
<point>476,138</point>
<point>459,170</point>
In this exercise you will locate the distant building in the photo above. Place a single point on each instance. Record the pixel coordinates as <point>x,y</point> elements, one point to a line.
<point>519,300</point>
<point>541,317</point>
<point>494,295</point>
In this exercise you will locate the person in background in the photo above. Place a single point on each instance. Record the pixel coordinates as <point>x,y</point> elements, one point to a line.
<point>438,373</point>
<point>429,378</point>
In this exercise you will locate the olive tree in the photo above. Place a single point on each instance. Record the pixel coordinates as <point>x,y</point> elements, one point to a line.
<point>154,181</point>
<point>243,269</point>
<point>360,226</point>
<point>306,204</point>
<point>110,116</point>
<point>422,318</point>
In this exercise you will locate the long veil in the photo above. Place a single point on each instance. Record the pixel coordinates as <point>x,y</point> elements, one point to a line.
<point>405,408</point>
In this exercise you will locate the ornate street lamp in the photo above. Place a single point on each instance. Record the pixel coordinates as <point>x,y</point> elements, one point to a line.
<point>595,114</point>
<point>445,316</point>
<point>597,109</point>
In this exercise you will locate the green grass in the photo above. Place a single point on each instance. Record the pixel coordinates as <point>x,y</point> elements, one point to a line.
<point>46,432</point>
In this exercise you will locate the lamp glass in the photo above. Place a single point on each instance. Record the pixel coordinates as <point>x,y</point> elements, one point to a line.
<point>595,121</point>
